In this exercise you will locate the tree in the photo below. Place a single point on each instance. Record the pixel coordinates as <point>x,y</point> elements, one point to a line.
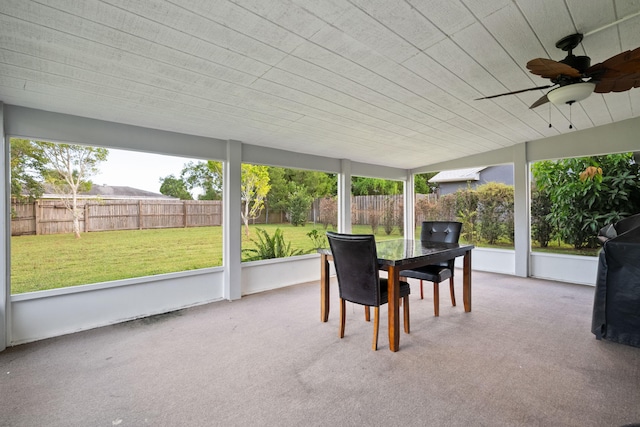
<point>254,189</point>
<point>27,167</point>
<point>283,183</point>
<point>208,176</point>
<point>67,171</point>
<point>361,186</point>
<point>588,193</point>
<point>299,204</point>
<point>422,184</point>
<point>205,175</point>
<point>174,187</point>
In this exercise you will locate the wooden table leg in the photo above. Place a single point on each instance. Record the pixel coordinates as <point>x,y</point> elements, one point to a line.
<point>393,277</point>
<point>466,283</point>
<point>324,288</point>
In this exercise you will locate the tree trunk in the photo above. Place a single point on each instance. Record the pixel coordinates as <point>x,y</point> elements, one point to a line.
<point>76,224</point>
<point>246,225</point>
<point>76,214</point>
<point>245,218</point>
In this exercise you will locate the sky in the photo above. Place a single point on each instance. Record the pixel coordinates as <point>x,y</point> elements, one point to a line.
<point>138,170</point>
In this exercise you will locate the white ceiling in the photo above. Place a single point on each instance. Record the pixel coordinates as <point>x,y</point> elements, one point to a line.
<point>387,82</point>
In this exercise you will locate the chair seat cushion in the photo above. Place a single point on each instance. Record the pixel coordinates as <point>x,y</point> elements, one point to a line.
<point>431,273</point>
<point>405,289</point>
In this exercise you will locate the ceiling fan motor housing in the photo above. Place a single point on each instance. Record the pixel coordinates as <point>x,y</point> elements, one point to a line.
<point>580,63</point>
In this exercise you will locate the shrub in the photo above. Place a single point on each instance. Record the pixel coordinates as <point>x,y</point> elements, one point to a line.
<point>427,209</point>
<point>319,239</point>
<point>268,247</point>
<point>374,220</point>
<point>388,215</point>
<point>329,212</point>
<point>399,218</point>
<point>466,202</point>
<point>298,205</point>
<point>541,227</point>
<point>588,193</point>
<point>447,208</point>
<point>495,211</point>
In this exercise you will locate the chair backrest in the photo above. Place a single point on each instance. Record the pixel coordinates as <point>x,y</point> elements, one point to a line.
<point>441,231</point>
<point>356,263</point>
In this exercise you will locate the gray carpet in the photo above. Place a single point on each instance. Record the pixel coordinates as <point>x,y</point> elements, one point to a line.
<point>523,357</point>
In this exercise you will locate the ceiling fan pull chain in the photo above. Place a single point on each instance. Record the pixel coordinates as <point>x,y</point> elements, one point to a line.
<point>550,117</point>
<point>570,118</point>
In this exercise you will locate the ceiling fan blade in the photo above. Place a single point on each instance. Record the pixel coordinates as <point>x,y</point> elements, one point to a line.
<point>618,73</point>
<point>543,100</point>
<point>626,62</point>
<point>550,69</point>
<point>620,84</point>
<point>517,91</point>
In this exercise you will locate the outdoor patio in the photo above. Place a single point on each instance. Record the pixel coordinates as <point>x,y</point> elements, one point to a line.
<point>524,356</point>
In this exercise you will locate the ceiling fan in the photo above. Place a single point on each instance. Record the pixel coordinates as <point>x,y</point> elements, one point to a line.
<point>574,78</point>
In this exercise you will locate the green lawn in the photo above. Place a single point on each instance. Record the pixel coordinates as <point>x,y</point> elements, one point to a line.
<point>60,260</point>
<point>55,261</point>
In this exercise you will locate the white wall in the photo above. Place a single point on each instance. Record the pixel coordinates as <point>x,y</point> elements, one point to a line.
<point>576,269</point>
<point>45,314</point>
<point>492,260</point>
<point>264,275</point>
<point>564,268</point>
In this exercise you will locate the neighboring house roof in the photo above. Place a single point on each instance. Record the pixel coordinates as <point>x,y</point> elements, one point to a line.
<point>458,175</point>
<point>111,192</point>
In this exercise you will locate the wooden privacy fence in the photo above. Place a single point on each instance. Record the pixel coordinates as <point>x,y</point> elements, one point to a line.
<point>52,217</point>
<point>363,207</point>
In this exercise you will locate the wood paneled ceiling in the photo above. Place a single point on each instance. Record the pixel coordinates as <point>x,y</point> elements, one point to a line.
<point>388,82</point>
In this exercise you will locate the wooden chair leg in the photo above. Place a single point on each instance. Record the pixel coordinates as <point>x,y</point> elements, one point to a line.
<point>342,316</point>
<point>367,313</point>
<point>436,298</point>
<point>452,291</point>
<point>406,314</point>
<point>421,290</point>
<point>376,324</point>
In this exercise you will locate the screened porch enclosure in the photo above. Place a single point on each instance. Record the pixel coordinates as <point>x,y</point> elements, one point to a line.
<point>37,316</point>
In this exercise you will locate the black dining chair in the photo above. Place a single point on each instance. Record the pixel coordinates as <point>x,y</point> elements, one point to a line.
<point>443,232</point>
<point>356,263</point>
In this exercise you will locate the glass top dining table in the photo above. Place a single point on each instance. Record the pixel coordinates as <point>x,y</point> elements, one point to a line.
<point>393,257</point>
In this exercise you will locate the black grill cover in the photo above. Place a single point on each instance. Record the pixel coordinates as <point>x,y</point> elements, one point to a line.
<point>616,306</point>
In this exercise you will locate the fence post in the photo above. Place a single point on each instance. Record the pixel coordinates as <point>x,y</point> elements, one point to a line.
<point>139,214</point>
<point>86,216</point>
<point>36,216</point>
<point>184,212</point>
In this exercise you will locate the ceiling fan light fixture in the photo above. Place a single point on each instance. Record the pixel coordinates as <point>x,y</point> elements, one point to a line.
<point>571,93</point>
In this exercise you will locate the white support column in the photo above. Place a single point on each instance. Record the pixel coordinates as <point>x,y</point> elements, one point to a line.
<point>344,197</point>
<point>409,206</point>
<point>5,285</point>
<point>231,223</point>
<point>521,209</point>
